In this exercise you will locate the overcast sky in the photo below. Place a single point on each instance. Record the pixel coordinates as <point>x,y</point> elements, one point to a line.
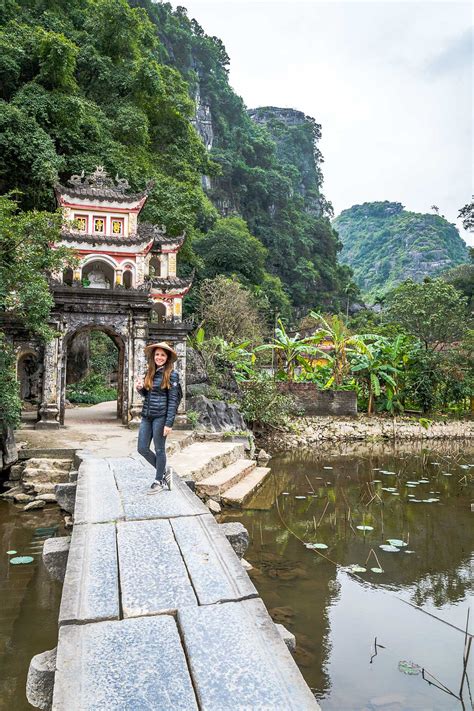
<point>390,82</point>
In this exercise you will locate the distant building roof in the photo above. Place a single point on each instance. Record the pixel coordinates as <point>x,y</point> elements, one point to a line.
<point>158,234</point>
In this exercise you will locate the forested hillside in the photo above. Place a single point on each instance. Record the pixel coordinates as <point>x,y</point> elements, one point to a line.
<point>385,244</point>
<point>136,87</point>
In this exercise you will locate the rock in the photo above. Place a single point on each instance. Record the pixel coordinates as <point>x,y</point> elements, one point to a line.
<point>23,498</point>
<point>216,415</point>
<point>16,472</point>
<point>66,496</point>
<point>8,450</point>
<point>282,614</point>
<point>246,565</point>
<point>237,535</point>
<point>38,504</point>
<point>11,493</point>
<point>40,681</point>
<point>263,457</point>
<point>288,638</point>
<point>213,506</point>
<point>49,498</point>
<point>68,523</point>
<point>195,368</point>
<point>55,554</point>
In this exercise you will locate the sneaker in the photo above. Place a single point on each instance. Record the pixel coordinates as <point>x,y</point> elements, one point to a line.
<point>169,478</point>
<point>156,487</point>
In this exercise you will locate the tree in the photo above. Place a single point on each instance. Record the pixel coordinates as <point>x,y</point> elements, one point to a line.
<point>342,343</point>
<point>466,214</point>
<point>229,311</point>
<point>434,312</point>
<point>292,349</point>
<point>229,248</point>
<point>26,257</point>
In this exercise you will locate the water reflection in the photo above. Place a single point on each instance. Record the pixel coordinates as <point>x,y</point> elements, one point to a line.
<point>321,497</point>
<point>30,598</point>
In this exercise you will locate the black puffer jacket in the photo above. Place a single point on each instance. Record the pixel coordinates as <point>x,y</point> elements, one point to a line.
<point>161,402</point>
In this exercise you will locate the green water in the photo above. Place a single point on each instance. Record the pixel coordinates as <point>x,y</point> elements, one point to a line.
<point>29,598</point>
<point>338,616</point>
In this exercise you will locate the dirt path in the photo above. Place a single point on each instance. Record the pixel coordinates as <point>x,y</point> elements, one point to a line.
<point>95,428</point>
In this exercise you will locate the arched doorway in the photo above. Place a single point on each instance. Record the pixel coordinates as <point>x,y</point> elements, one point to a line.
<point>98,274</point>
<point>159,312</point>
<point>28,376</point>
<point>104,379</point>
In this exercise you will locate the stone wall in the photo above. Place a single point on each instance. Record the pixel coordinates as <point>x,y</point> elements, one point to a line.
<point>321,402</point>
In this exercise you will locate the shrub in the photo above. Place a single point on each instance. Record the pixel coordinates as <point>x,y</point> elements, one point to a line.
<point>263,406</point>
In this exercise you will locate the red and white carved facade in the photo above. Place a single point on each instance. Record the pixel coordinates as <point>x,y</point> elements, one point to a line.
<point>114,249</point>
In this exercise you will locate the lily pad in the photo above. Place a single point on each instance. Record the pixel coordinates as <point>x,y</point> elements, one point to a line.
<point>356,568</point>
<point>395,493</point>
<point>424,481</point>
<point>377,570</point>
<point>321,546</point>
<point>11,552</point>
<point>328,467</point>
<point>411,496</point>
<point>22,560</point>
<point>408,551</point>
<point>285,493</point>
<point>376,481</point>
<point>300,497</point>
<point>411,486</point>
<point>389,549</point>
<point>365,528</point>
<point>446,473</point>
<point>397,542</point>
<point>409,668</point>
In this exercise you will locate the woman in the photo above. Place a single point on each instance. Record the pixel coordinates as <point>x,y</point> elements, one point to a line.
<point>161,393</point>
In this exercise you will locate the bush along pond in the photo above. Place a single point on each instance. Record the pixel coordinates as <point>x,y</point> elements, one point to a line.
<point>366,556</point>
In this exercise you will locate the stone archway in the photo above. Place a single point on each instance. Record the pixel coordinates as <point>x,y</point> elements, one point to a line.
<point>122,381</point>
<point>123,314</point>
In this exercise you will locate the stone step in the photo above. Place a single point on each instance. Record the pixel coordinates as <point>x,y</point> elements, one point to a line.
<point>237,495</point>
<point>91,589</point>
<point>133,664</point>
<point>43,464</point>
<point>238,660</point>
<point>201,459</point>
<point>225,478</point>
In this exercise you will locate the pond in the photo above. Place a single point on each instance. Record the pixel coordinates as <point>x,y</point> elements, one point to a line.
<point>29,598</point>
<point>370,640</point>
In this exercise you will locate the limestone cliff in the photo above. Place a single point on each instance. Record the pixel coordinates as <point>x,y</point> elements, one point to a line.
<point>386,244</point>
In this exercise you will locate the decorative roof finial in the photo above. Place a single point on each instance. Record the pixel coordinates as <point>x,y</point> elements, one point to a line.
<point>100,179</point>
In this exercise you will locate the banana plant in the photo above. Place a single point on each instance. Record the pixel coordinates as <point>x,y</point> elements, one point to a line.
<point>293,350</point>
<point>342,345</point>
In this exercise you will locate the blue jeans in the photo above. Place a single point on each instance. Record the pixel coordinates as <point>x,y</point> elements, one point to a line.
<point>152,428</point>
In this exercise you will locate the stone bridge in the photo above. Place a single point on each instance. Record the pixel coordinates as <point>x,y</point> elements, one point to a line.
<point>157,611</point>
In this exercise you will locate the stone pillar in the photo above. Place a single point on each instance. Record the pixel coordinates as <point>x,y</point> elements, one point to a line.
<point>138,367</point>
<point>50,402</point>
<point>180,348</point>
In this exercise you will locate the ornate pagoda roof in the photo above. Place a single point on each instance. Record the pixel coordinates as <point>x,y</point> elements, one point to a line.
<point>99,186</point>
<point>171,282</point>
<point>106,240</point>
<point>158,234</point>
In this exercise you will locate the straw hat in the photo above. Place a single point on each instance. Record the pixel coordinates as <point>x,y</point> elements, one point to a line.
<point>149,350</point>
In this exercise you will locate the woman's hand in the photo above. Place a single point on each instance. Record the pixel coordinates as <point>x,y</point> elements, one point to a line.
<point>139,384</point>
<point>167,431</point>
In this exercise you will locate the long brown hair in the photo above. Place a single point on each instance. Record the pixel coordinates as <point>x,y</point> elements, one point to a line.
<point>167,370</point>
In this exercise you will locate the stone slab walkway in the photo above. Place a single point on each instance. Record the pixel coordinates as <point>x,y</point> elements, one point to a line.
<point>157,611</point>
